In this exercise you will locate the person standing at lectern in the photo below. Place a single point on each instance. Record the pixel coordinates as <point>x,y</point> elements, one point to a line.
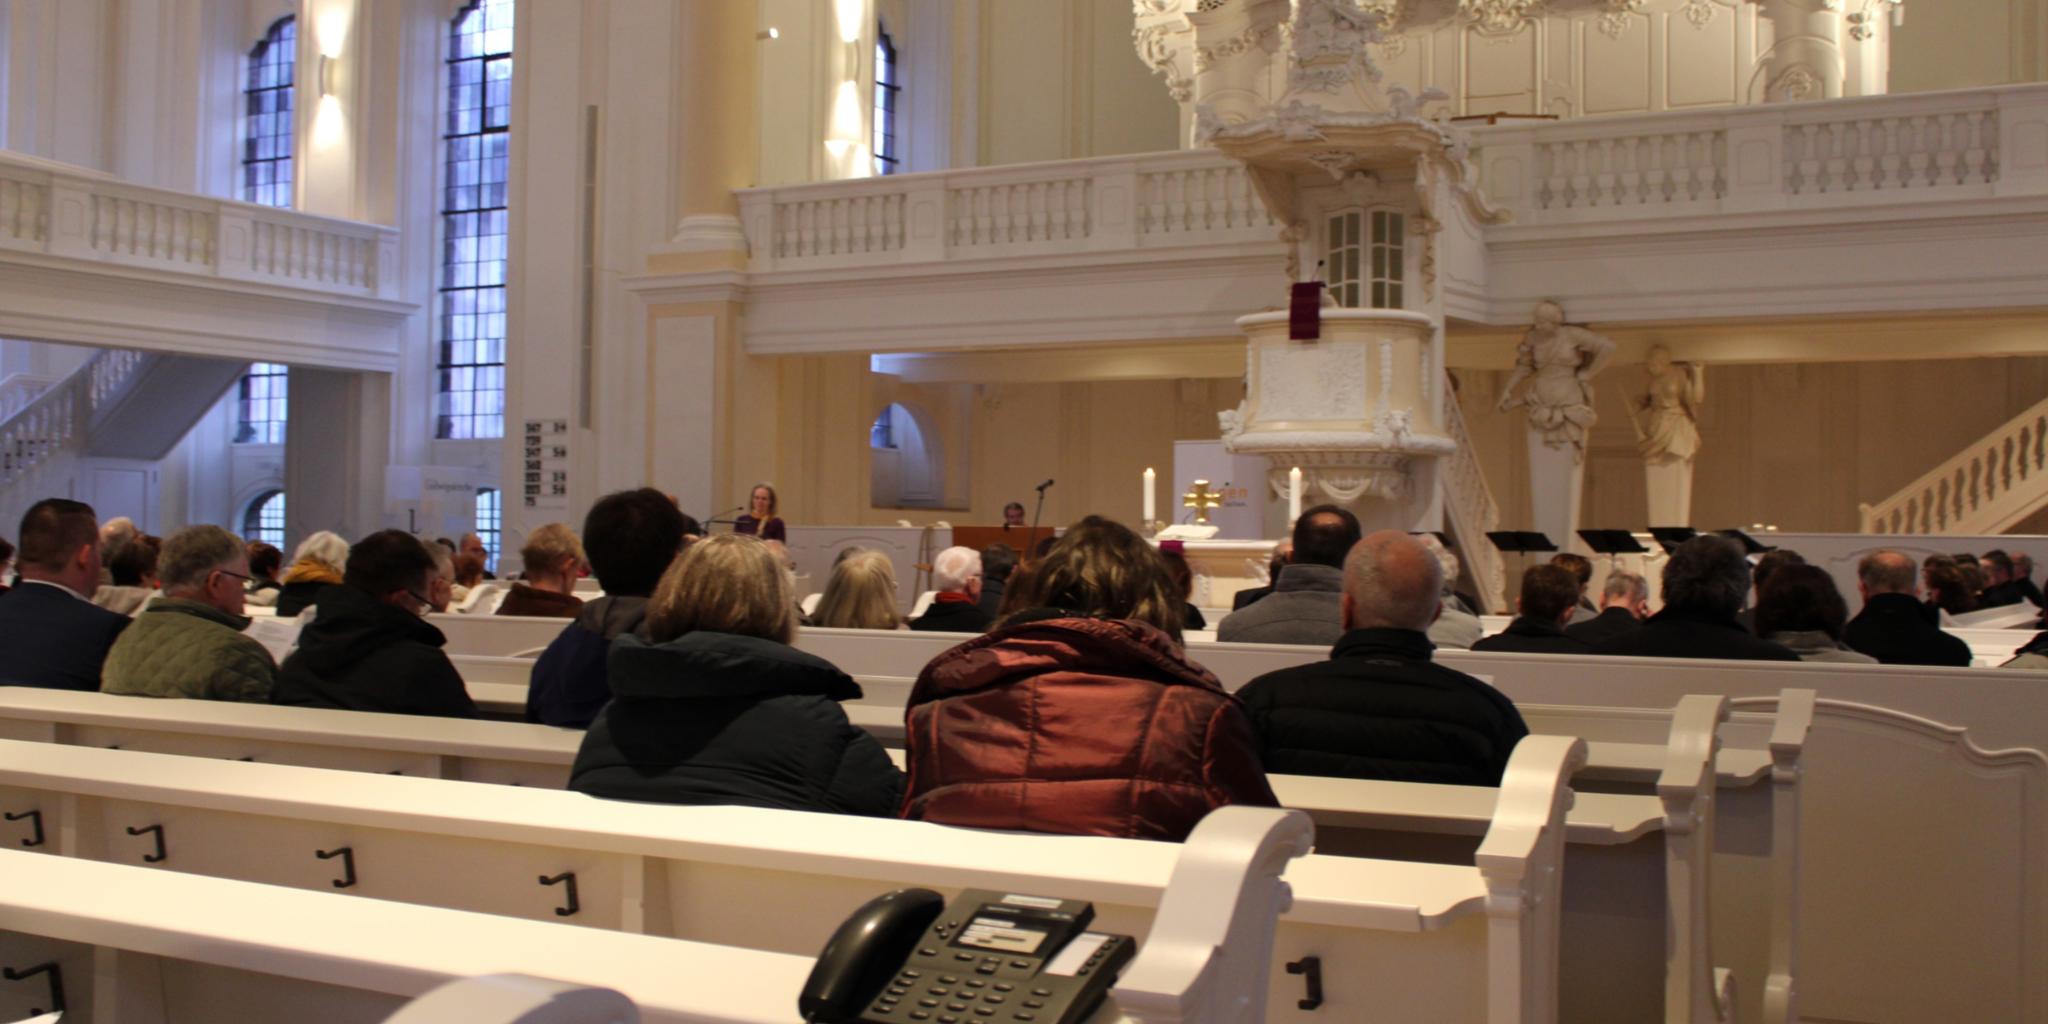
<point>1894,627</point>
<point>1081,714</point>
<point>55,636</point>
<point>1380,708</point>
<point>1013,516</point>
<point>761,518</point>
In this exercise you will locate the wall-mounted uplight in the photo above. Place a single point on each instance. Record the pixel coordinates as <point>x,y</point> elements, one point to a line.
<point>768,33</point>
<point>852,18</point>
<point>325,76</point>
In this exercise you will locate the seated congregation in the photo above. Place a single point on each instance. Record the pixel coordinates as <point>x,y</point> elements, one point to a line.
<point>1078,709</point>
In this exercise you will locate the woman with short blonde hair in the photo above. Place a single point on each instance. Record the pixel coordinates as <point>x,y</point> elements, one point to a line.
<point>553,562</point>
<point>860,595</point>
<point>713,706</point>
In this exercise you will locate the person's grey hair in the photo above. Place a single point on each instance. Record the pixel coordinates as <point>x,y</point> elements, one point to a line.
<point>444,563</point>
<point>1888,572</point>
<point>1626,586</point>
<point>1446,562</point>
<point>325,546</point>
<point>954,568</point>
<point>1708,573</point>
<point>1393,582</point>
<point>190,554</point>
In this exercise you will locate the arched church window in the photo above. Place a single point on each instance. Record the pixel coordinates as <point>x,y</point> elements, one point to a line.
<point>883,433</point>
<point>476,137</point>
<point>888,86</point>
<point>906,466</point>
<point>489,517</point>
<point>263,520</point>
<point>1364,251</point>
<point>267,116</point>
<point>260,404</point>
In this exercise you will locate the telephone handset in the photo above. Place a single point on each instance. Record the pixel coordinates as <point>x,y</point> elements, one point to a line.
<point>985,958</point>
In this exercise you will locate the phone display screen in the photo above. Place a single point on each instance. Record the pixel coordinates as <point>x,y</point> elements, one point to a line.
<point>1001,935</point>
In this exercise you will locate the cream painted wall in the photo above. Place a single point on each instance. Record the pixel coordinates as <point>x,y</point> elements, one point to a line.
<point>1958,44</point>
<point>1059,80</point>
<point>1094,437</point>
<point>1797,445</point>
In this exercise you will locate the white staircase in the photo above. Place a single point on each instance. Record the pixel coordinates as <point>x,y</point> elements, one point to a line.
<point>1470,512</point>
<point>42,442</point>
<point>1987,488</point>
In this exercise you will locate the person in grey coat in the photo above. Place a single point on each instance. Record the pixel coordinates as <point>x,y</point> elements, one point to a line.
<point>1304,606</point>
<point>1799,606</point>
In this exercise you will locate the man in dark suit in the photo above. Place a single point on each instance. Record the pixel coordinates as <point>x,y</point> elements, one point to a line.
<point>1704,584</point>
<point>1894,627</point>
<point>1550,594</point>
<point>1283,553</point>
<point>54,636</point>
<point>1624,604</point>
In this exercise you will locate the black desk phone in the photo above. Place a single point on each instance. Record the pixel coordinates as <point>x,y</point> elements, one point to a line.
<point>908,957</point>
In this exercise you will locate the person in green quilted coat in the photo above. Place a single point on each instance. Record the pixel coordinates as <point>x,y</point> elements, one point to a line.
<point>189,642</point>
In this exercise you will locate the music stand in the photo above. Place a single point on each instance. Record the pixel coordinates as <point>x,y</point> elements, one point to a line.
<point>1523,542</point>
<point>1750,545</point>
<point>1612,542</point>
<point>1670,537</point>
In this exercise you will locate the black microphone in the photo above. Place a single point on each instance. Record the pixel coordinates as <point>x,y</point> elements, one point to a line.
<point>724,518</point>
<point>1041,487</point>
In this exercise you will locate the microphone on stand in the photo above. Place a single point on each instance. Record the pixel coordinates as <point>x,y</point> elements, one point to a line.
<point>1040,510</point>
<point>1041,487</point>
<point>724,518</point>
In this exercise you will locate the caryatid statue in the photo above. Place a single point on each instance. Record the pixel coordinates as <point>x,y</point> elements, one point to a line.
<point>1667,422</point>
<point>1559,361</point>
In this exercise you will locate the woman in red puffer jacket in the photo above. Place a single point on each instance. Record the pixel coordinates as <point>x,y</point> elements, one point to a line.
<point>1080,713</point>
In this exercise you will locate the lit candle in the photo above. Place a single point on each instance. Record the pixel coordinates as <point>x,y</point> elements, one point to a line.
<point>1293,495</point>
<point>1151,497</point>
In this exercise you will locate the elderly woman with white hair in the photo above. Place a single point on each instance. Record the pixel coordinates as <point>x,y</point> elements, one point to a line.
<point>956,575</point>
<point>1455,627</point>
<point>316,565</point>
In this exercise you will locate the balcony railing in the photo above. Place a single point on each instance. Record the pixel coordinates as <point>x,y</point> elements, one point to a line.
<point>64,211</point>
<point>1153,201</point>
<point>1871,150</point>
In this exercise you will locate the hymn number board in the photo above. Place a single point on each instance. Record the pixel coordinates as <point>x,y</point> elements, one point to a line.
<point>547,464</point>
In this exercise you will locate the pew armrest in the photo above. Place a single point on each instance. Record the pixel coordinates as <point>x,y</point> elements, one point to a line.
<point>1522,860</point>
<point>1208,957</point>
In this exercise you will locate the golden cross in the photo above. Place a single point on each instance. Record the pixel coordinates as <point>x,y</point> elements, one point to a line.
<point>1201,499</point>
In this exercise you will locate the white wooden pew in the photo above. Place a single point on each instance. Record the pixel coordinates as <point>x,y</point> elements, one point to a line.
<point>125,944</point>
<point>1616,856</point>
<point>1400,941</point>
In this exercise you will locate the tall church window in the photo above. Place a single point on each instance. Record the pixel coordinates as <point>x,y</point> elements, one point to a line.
<point>260,404</point>
<point>264,519</point>
<point>489,517</point>
<point>267,116</point>
<point>1364,251</point>
<point>887,89</point>
<point>476,135</point>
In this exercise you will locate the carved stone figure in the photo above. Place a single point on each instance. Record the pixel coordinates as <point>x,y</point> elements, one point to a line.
<point>1669,429</point>
<point>1559,361</point>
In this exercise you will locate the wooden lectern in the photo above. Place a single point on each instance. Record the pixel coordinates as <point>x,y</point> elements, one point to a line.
<point>1023,538</point>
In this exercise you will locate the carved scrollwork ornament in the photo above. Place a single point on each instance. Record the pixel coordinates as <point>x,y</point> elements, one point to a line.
<point>1499,17</point>
<point>1614,20</point>
<point>1699,12</point>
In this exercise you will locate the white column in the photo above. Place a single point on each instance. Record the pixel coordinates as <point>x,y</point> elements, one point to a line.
<point>1805,60</point>
<point>335,453</point>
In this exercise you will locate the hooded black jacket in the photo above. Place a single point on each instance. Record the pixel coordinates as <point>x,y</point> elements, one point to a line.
<point>1380,709</point>
<point>1683,633</point>
<point>361,654</point>
<point>715,718</point>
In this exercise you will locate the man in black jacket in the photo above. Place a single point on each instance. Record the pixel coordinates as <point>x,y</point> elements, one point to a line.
<point>1624,604</point>
<point>1894,627</point>
<point>368,647</point>
<point>51,634</point>
<point>1704,584</point>
<point>1380,708</point>
<point>1550,596</point>
<point>2000,588</point>
<point>631,538</point>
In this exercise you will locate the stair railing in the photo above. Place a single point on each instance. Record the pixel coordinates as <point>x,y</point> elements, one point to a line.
<point>1469,504</point>
<point>54,421</point>
<point>1993,483</point>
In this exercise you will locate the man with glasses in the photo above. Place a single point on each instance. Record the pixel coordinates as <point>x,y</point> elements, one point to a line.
<point>190,642</point>
<point>369,647</point>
